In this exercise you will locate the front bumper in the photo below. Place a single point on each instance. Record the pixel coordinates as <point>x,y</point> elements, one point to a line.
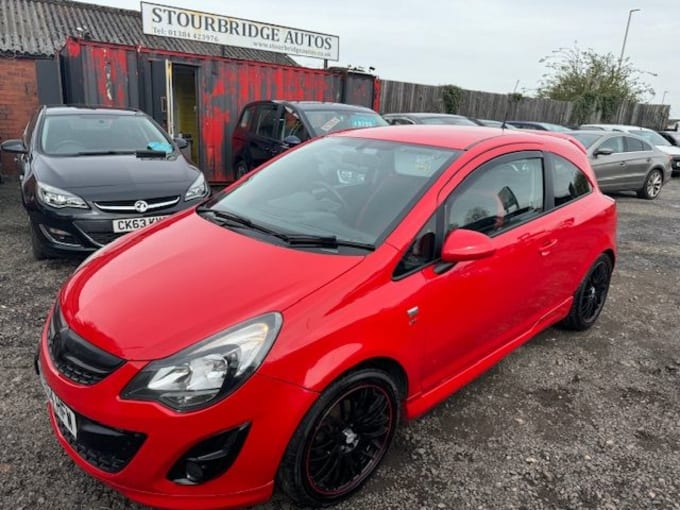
<point>271,407</point>
<point>87,229</point>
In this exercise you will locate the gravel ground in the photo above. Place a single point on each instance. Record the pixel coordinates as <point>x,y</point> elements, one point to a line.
<point>588,420</point>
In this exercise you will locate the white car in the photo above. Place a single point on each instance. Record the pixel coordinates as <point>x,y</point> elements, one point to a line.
<point>648,134</point>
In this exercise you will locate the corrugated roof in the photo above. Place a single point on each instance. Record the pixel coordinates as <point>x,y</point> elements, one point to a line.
<point>40,27</point>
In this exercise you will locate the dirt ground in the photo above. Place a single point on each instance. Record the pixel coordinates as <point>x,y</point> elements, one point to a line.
<point>587,420</point>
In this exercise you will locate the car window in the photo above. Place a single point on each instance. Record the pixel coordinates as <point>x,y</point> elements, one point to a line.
<point>267,121</point>
<point>398,121</point>
<point>422,250</point>
<point>247,115</point>
<point>587,139</point>
<point>615,144</point>
<point>636,145</point>
<point>292,125</point>
<point>651,136</point>
<point>497,197</point>
<point>324,122</point>
<point>569,182</point>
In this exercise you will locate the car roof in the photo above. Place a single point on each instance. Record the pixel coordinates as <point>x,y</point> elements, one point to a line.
<point>617,127</point>
<point>318,105</point>
<point>454,137</point>
<point>424,115</point>
<point>88,110</point>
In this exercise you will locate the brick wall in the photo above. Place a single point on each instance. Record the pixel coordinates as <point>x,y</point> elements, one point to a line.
<point>18,101</point>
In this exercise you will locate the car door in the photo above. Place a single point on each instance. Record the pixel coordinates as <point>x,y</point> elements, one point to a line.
<point>640,155</point>
<point>611,170</point>
<point>474,308</point>
<point>267,128</point>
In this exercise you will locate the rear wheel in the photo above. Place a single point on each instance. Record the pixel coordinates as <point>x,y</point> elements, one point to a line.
<point>240,168</point>
<point>342,439</point>
<point>590,297</point>
<point>652,186</point>
<point>37,244</point>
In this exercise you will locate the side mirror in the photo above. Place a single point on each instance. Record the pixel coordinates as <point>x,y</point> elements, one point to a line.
<point>463,244</point>
<point>603,151</point>
<point>181,142</point>
<point>292,141</point>
<point>14,146</point>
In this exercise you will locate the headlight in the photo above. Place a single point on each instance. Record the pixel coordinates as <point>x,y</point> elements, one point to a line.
<point>198,189</point>
<point>208,371</point>
<point>55,197</point>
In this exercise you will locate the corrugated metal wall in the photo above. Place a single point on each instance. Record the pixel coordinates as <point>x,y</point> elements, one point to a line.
<point>123,76</point>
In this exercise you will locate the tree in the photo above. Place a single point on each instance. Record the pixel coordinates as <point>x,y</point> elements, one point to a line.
<point>594,82</point>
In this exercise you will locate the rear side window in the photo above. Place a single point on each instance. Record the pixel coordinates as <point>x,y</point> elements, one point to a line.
<point>569,182</point>
<point>497,197</point>
<point>635,145</point>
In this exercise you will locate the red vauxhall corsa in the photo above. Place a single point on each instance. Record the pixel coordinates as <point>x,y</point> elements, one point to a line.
<point>276,334</point>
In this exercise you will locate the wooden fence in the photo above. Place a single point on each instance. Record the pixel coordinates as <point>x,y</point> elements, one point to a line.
<point>401,97</point>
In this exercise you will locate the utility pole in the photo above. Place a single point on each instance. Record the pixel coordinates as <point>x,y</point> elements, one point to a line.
<point>625,37</point>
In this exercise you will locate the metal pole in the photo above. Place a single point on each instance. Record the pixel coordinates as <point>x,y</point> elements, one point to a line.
<point>663,99</point>
<point>625,37</point>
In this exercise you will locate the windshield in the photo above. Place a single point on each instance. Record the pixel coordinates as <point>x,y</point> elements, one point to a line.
<point>455,121</point>
<point>76,135</point>
<point>587,139</point>
<point>651,137</point>
<point>350,189</point>
<point>328,121</point>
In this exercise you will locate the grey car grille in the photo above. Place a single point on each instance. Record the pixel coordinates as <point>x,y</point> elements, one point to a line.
<point>153,204</point>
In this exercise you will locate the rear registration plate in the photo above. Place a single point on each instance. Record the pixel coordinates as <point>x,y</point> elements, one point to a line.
<point>132,224</point>
<point>61,411</point>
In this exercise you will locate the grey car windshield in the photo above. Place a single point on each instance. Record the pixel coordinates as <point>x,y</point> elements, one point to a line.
<point>651,137</point>
<point>74,135</point>
<point>352,189</point>
<point>324,122</point>
<point>587,139</point>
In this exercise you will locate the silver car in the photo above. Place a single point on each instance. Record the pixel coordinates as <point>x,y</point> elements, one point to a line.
<point>625,162</point>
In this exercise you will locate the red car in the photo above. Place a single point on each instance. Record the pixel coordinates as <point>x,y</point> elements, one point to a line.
<point>276,334</point>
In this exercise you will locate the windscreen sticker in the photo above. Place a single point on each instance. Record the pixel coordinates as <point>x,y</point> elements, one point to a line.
<point>330,124</point>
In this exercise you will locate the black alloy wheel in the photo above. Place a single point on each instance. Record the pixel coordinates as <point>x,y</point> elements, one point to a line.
<point>590,297</point>
<point>652,186</point>
<point>342,440</point>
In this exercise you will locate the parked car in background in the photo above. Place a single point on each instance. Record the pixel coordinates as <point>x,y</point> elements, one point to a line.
<point>673,137</point>
<point>268,128</point>
<point>649,135</point>
<point>624,162</point>
<point>538,126</point>
<point>428,118</point>
<point>495,123</point>
<point>91,174</point>
<point>277,334</point>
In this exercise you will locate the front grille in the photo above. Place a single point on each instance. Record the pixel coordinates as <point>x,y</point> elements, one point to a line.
<point>152,204</point>
<point>103,447</point>
<point>75,358</point>
<point>104,238</point>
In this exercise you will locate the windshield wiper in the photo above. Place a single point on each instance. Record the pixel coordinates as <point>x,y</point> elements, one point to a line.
<point>290,239</point>
<point>324,241</point>
<point>103,153</point>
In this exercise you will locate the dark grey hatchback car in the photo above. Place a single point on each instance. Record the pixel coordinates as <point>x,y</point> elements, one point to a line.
<point>267,128</point>
<point>90,175</point>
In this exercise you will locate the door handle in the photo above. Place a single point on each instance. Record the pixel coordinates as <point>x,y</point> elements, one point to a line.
<point>546,247</point>
<point>622,163</point>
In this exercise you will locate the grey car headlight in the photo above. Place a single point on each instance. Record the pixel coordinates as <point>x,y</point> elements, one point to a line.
<point>198,188</point>
<point>208,371</point>
<point>59,198</point>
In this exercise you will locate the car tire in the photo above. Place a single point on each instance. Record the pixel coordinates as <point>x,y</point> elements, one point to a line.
<point>590,297</point>
<point>240,169</point>
<point>37,244</point>
<point>352,424</point>
<point>652,186</point>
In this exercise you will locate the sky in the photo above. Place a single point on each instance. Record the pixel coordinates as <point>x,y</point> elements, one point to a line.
<point>475,44</point>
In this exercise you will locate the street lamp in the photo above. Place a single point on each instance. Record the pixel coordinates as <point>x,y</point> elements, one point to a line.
<point>623,46</point>
<point>663,98</point>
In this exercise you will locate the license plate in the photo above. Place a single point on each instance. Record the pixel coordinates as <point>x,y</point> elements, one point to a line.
<point>61,411</point>
<point>132,224</point>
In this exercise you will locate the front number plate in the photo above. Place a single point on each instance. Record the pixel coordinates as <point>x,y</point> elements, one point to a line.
<point>62,412</point>
<point>132,224</point>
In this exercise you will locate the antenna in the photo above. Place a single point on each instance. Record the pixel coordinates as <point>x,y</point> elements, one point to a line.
<point>507,107</point>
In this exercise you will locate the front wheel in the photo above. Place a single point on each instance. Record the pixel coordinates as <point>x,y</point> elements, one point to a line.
<point>341,440</point>
<point>590,297</point>
<point>652,186</point>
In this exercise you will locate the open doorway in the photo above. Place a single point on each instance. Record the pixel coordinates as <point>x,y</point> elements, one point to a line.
<point>185,106</point>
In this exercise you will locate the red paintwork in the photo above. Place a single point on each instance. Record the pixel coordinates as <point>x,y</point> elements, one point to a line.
<point>169,286</point>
